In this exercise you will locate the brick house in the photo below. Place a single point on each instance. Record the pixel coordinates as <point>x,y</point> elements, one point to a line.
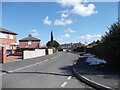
<point>8,39</point>
<point>29,42</point>
<point>69,45</point>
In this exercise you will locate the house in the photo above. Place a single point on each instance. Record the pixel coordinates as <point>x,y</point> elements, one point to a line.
<point>76,45</point>
<point>65,46</point>
<point>29,42</point>
<point>69,45</point>
<point>8,39</point>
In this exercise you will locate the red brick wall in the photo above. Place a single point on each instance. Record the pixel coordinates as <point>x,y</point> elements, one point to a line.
<point>8,41</point>
<point>0,54</point>
<point>24,44</point>
<point>3,55</point>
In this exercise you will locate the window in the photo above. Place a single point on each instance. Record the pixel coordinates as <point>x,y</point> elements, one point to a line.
<point>29,42</point>
<point>3,35</point>
<point>11,36</point>
<point>0,35</point>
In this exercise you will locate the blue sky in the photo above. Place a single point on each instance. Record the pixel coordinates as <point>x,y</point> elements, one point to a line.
<point>70,22</point>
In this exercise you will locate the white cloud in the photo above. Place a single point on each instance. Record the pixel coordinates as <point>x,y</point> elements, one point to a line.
<point>88,37</point>
<point>83,10</point>
<point>79,7</point>
<point>47,21</point>
<point>64,36</point>
<point>34,30</point>
<point>63,11</point>
<point>69,2</point>
<point>63,22</point>
<point>63,15</point>
<point>69,30</point>
<point>35,34</point>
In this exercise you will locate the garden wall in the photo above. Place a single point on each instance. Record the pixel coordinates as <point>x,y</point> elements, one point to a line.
<point>36,53</point>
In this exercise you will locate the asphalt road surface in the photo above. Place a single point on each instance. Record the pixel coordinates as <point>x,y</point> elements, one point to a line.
<point>51,71</point>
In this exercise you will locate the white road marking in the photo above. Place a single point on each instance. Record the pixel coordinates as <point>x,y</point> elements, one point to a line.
<point>63,84</point>
<point>74,63</point>
<point>69,77</point>
<point>28,65</point>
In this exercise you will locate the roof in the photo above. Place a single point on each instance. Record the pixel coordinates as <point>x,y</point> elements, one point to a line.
<point>30,38</point>
<point>7,31</point>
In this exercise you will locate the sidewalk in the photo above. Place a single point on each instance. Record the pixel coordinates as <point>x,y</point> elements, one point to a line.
<point>96,76</point>
<point>14,58</point>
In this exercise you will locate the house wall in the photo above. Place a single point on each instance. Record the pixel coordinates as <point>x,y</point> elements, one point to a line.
<point>7,41</point>
<point>24,44</point>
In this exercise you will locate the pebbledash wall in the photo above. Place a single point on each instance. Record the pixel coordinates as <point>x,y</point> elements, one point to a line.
<point>36,53</point>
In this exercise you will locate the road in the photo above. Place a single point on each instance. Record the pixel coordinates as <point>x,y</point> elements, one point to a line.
<point>51,71</point>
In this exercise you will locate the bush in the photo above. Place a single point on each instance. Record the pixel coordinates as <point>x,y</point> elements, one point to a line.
<point>109,48</point>
<point>79,49</point>
<point>53,43</point>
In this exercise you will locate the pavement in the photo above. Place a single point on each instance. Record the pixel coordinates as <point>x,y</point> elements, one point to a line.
<point>103,78</point>
<point>13,58</point>
<point>51,71</point>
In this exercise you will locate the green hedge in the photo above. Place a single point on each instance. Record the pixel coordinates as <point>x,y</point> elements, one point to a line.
<point>79,49</point>
<point>109,48</point>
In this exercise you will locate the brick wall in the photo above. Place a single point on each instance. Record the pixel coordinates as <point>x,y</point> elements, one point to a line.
<point>8,41</point>
<point>24,44</point>
<point>3,55</point>
<point>0,54</point>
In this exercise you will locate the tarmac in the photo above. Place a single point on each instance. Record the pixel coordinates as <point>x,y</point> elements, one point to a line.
<point>97,76</point>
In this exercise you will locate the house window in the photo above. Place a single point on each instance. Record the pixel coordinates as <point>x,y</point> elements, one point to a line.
<point>29,42</point>
<point>11,36</point>
<point>0,35</point>
<point>3,35</point>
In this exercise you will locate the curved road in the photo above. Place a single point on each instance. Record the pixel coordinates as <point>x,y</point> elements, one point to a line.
<point>51,71</point>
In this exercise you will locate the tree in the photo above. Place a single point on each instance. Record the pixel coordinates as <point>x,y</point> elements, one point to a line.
<point>52,43</point>
<point>51,36</point>
<point>109,48</point>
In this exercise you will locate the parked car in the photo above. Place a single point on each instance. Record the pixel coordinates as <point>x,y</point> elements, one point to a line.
<point>81,54</point>
<point>68,50</point>
<point>7,53</point>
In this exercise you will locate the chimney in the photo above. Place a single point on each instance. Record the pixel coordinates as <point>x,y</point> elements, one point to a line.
<point>29,35</point>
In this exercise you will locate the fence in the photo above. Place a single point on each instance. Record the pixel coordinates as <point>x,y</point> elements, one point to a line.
<point>36,53</point>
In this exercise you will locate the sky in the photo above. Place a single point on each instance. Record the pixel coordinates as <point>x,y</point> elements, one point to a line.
<point>71,22</point>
